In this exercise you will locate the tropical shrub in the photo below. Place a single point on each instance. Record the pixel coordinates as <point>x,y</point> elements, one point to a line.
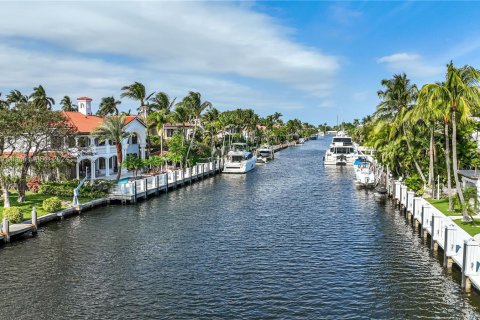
<point>13,214</point>
<point>91,189</point>
<point>52,204</point>
<point>414,182</point>
<point>33,184</point>
<point>133,163</point>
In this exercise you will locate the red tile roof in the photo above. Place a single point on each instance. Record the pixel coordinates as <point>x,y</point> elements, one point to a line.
<point>87,124</point>
<point>85,98</point>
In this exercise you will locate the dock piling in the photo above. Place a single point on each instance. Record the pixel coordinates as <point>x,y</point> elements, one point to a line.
<point>468,266</point>
<point>6,230</point>
<point>449,246</point>
<point>34,221</point>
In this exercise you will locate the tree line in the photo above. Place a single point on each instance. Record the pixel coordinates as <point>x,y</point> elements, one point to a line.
<point>425,133</point>
<point>30,130</point>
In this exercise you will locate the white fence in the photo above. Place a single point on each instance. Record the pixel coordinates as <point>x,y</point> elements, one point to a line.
<point>164,180</point>
<point>458,246</point>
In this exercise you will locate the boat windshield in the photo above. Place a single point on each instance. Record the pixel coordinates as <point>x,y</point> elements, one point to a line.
<point>237,158</point>
<point>340,150</point>
<point>238,146</point>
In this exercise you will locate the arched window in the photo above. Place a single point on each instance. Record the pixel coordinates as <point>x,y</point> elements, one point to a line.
<point>134,139</point>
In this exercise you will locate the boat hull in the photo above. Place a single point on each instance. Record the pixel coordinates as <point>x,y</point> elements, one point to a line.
<point>338,160</point>
<point>240,167</point>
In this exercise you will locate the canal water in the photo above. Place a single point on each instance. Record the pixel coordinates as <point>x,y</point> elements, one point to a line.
<point>291,240</point>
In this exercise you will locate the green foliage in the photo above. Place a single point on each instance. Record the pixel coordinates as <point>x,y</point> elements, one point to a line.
<point>155,162</point>
<point>52,204</point>
<point>176,148</point>
<point>91,189</point>
<point>414,182</point>
<point>134,163</point>
<point>13,214</point>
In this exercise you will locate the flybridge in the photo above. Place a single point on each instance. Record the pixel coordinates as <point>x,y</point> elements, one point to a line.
<point>342,141</point>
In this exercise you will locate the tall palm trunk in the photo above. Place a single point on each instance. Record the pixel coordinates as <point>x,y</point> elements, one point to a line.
<point>466,217</point>
<point>191,141</point>
<point>161,143</point>
<point>118,147</point>
<point>447,162</point>
<point>431,173</point>
<point>417,166</point>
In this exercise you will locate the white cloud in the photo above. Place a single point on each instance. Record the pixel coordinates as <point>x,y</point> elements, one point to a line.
<point>410,63</point>
<point>178,41</point>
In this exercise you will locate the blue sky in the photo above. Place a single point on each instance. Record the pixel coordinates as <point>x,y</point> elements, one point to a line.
<point>311,60</point>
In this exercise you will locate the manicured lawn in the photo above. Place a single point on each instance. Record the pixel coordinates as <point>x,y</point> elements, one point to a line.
<point>472,228</point>
<point>33,200</point>
<point>442,205</point>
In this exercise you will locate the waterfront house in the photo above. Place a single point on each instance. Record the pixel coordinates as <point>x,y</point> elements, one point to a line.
<point>186,129</point>
<point>99,158</point>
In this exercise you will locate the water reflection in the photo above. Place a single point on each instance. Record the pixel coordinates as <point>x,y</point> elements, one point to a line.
<point>292,239</point>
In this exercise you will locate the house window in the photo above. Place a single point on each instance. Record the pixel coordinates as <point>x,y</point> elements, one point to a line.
<point>99,142</point>
<point>134,139</point>
<point>101,164</point>
<point>71,142</point>
<point>83,142</point>
<point>57,142</point>
<point>170,133</point>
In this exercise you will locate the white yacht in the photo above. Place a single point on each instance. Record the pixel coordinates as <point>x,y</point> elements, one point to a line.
<point>264,154</point>
<point>364,172</point>
<point>342,150</point>
<point>239,160</point>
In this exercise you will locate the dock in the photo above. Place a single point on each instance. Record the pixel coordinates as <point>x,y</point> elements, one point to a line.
<point>127,193</point>
<point>459,248</point>
<point>131,192</point>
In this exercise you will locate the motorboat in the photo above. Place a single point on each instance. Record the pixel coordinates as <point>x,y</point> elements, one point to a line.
<point>239,159</point>
<point>314,136</point>
<point>364,172</point>
<point>264,154</point>
<point>301,141</point>
<point>342,150</point>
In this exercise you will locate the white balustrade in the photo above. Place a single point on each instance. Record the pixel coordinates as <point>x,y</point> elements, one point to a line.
<point>417,208</point>
<point>397,190</point>
<point>410,197</point>
<point>403,195</point>
<point>427,218</point>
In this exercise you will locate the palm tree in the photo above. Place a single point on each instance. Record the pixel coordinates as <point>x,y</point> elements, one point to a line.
<point>212,125</point>
<point>67,104</point>
<point>398,98</point>
<point>428,112</point>
<point>108,106</point>
<point>460,93</point>
<point>193,103</point>
<point>161,101</point>
<point>15,97</point>
<point>136,91</point>
<point>158,120</point>
<point>113,129</point>
<point>40,99</point>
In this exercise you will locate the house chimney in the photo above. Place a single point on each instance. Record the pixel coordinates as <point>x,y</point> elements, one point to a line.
<point>85,105</point>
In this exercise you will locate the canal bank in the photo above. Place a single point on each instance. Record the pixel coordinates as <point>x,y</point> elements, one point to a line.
<point>130,192</point>
<point>457,246</point>
<point>292,239</point>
